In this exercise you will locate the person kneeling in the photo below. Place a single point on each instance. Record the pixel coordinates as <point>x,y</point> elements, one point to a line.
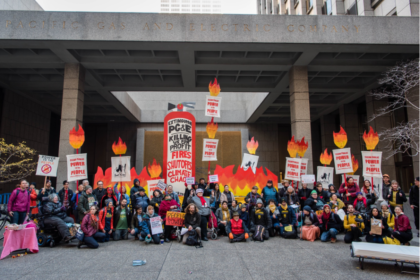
<point>90,225</point>
<point>310,224</point>
<point>287,219</point>
<point>260,222</point>
<point>402,229</point>
<point>236,229</point>
<point>376,220</point>
<point>331,225</point>
<point>139,224</point>
<point>151,214</point>
<point>354,226</point>
<point>192,221</point>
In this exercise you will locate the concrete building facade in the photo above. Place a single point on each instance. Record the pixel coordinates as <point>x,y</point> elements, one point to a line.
<point>191,6</point>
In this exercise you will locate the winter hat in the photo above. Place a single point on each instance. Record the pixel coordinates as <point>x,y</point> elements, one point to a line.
<point>107,201</point>
<point>330,185</point>
<point>235,214</point>
<point>359,193</point>
<point>259,201</point>
<point>313,192</point>
<point>307,208</point>
<point>243,206</point>
<point>33,183</point>
<point>384,203</point>
<point>326,205</point>
<point>282,200</point>
<point>269,181</point>
<point>88,187</point>
<point>141,189</point>
<point>199,191</point>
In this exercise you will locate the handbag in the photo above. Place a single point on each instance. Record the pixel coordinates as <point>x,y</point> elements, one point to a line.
<point>79,234</point>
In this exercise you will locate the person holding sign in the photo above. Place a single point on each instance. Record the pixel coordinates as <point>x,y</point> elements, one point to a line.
<point>168,205</point>
<point>203,206</point>
<point>396,196</point>
<point>237,229</point>
<point>45,192</point>
<point>348,190</point>
<point>147,216</point>
<point>376,227</point>
<point>174,195</point>
<point>402,230</point>
<point>192,221</point>
<point>157,199</point>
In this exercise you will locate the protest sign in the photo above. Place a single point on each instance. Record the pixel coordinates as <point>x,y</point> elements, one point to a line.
<point>76,167</point>
<point>152,185</point>
<point>342,161</point>
<point>304,166</point>
<point>210,149</point>
<point>325,175</point>
<point>190,180</point>
<point>376,226</point>
<point>175,219</point>
<point>213,106</point>
<point>214,178</point>
<point>156,225</point>
<point>356,178</point>
<point>120,167</point>
<point>249,161</point>
<point>47,166</point>
<point>308,179</point>
<point>161,185</point>
<point>372,164</point>
<point>293,169</point>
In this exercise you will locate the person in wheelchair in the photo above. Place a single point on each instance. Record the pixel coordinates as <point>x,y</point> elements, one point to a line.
<point>55,216</point>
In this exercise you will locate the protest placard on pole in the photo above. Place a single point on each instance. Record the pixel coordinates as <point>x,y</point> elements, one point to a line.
<point>121,169</point>
<point>175,219</point>
<point>161,185</point>
<point>210,149</point>
<point>213,106</point>
<point>325,175</point>
<point>356,178</point>
<point>372,164</point>
<point>153,185</point>
<point>214,178</point>
<point>293,169</point>
<point>47,166</point>
<point>76,167</point>
<point>303,166</point>
<point>342,161</point>
<point>190,180</point>
<point>156,225</point>
<point>249,161</point>
<point>308,179</point>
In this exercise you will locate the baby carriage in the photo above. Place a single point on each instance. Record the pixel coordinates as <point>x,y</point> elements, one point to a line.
<point>212,227</point>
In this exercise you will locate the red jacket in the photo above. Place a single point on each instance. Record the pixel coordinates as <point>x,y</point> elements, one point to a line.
<point>165,206</point>
<point>402,223</point>
<point>357,200</point>
<point>236,226</point>
<point>34,197</point>
<point>86,226</point>
<point>102,215</point>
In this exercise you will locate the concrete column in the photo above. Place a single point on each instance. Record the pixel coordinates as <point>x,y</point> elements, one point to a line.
<point>337,7</point>
<point>380,124</point>
<point>71,116</point>
<point>364,8</point>
<point>244,140</point>
<point>299,108</point>
<point>413,114</point>
<point>407,8</point>
<point>140,150</point>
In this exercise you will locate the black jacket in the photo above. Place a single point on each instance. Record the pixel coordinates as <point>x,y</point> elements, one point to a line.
<point>252,201</point>
<point>43,198</point>
<point>262,219</point>
<point>156,200</point>
<point>193,220</point>
<point>323,195</point>
<point>385,189</point>
<point>117,214</point>
<point>384,223</point>
<point>414,196</point>
<point>294,198</point>
<point>311,203</point>
<point>133,190</point>
<point>51,209</point>
<point>333,222</point>
<point>83,205</point>
<point>61,194</point>
<point>399,199</point>
<point>99,193</point>
<point>304,193</point>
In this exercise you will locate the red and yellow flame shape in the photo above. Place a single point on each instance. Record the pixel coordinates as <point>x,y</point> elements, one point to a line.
<point>214,88</point>
<point>302,147</point>
<point>355,163</point>
<point>77,138</point>
<point>340,138</point>
<point>155,169</point>
<point>252,146</point>
<point>211,129</point>
<point>120,148</point>
<point>292,147</point>
<point>326,158</point>
<point>371,139</point>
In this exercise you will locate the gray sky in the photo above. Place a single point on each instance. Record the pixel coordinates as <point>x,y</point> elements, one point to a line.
<point>145,6</point>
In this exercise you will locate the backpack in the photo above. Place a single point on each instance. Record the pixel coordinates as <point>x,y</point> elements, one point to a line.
<point>290,234</point>
<point>17,192</point>
<point>192,239</point>
<point>258,233</point>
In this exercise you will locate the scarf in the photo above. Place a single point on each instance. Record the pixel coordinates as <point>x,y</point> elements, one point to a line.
<point>203,201</point>
<point>226,214</point>
<point>385,213</point>
<point>365,190</point>
<point>150,215</point>
<point>272,208</point>
<point>326,217</point>
<point>283,207</point>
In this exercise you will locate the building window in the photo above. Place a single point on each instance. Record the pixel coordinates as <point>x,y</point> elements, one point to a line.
<point>352,10</point>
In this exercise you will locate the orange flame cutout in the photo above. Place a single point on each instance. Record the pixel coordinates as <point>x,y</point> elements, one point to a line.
<point>77,138</point>
<point>292,147</point>
<point>340,138</point>
<point>214,88</point>
<point>211,129</point>
<point>120,148</point>
<point>355,163</point>
<point>326,158</point>
<point>371,139</point>
<point>252,146</point>
<point>155,169</point>
<point>302,147</point>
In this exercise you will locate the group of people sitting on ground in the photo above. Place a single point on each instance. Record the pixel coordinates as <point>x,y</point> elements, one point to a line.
<point>110,214</point>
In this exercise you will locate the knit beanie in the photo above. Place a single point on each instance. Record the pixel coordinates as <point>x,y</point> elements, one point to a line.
<point>259,201</point>
<point>326,205</point>
<point>235,214</point>
<point>313,192</point>
<point>307,208</point>
<point>243,206</point>
<point>358,193</point>
<point>107,201</point>
<point>384,203</point>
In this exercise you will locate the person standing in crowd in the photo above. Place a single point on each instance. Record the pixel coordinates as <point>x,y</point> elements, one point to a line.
<point>122,220</point>
<point>121,193</point>
<point>223,215</point>
<point>270,192</point>
<point>396,196</point>
<point>283,190</point>
<point>414,202</point>
<point>34,198</point>
<point>260,217</point>
<point>370,236</point>
<point>273,212</point>
<point>215,198</point>
<point>252,197</point>
<point>235,207</point>
<point>140,198</point>
<point>322,194</point>
<point>45,192</point>
<point>353,225</point>
<point>75,201</point>
<point>65,195</point>
<point>203,207</point>
<point>168,205</point>
<point>314,202</point>
<point>100,191</point>
<point>336,203</point>
<point>390,218</point>
<point>237,229</point>
<point>85,183</point>
<point>331,225</point>
<point>109,195</point>
<point>55,214</point>
<point>402,229</point>
<point>244,215</point>
<point>291,196</point>
<point>386,186</point>
<point>157,199</point>
<point>90,225</point>
<point>86,201</point>
<point>150,213</point>
<point>370,195</point>
<point>310,224</point>
<point>360,204</point>
<point>140,228</point>
<point>133,192</point>
<point>106,219</point>
<point>331,191</point>
<point>304,193</point>
<point>19,203</point>
<point>192,221</point>
<point>174,195</point>
<point>349,191</point>
<point>227,196</point>
<point>286,216</point>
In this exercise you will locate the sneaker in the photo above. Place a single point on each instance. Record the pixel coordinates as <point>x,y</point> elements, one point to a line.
<point>80,244</point>
<point>167,240</point>
<point>136,238</point>
<point>231,240</point>
<point>205,239</point>
<point>141,238</point>
<point>333,240</point>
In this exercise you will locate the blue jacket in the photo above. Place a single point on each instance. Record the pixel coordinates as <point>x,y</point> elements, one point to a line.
<point>245,218</point>
<point>270,193</point>
<point>143,201</point>
<point>147,219</point>
<point>74,199</point>
<point>125,196</point>
<point>140,226</point>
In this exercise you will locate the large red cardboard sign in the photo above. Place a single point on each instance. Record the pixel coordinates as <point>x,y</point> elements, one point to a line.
<point>178,149</point>
<point>293,169</point>
<point>372,164</point>
<point>342,161</point>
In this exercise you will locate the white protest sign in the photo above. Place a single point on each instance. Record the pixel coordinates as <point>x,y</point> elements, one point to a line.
<point>293,169</point>
<point>156,225</point>
<point>210,149</point>
<point>213,106</point>
<point>372,164</point>
<point>47,166</point>
<point>190,180</point>
<point>213,178</point>
<point>76,167</point>
<point>249,161</point>
<point>356,178</point>
<point>342,161</point>
<point>152,185</point>
<point>304,166</point>
<point>308,179</point>
<point>377,185</point>
<point>120,167</point>
<point>161,185</point>
<point>325,175</point>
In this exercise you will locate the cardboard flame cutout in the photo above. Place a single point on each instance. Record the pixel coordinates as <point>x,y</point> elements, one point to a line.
<point>120,148</point>
<point>292,147</point>
<point>211,129</point>
<point>371,139</point>
<point>302,147</point>
<point>355,163</point>
<point>326,158</point>
<point>214,88</point>
<point>340,138</point>
<point>77,138</point>
<point>252,146</point>
<point>154,170</point>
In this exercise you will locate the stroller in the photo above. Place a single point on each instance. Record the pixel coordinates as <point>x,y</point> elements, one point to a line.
<point>212,226</point>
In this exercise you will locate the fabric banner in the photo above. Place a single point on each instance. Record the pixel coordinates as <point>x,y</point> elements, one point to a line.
<point>120,167</point>
<point>325,175</point>
<point>210,149</point>
<point>175,219</point>
<point>304,166</point>
<point>356,179</point>
<point>47,166</point>
<point>213,178</point>
<point>156,225</point>
<point>342,161</point>
<point>293,169</point>
<point>249,161</point>
<point>153,185</point>
<point>372,164</point>
<point>76,167</point>
<point>213,106</point>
